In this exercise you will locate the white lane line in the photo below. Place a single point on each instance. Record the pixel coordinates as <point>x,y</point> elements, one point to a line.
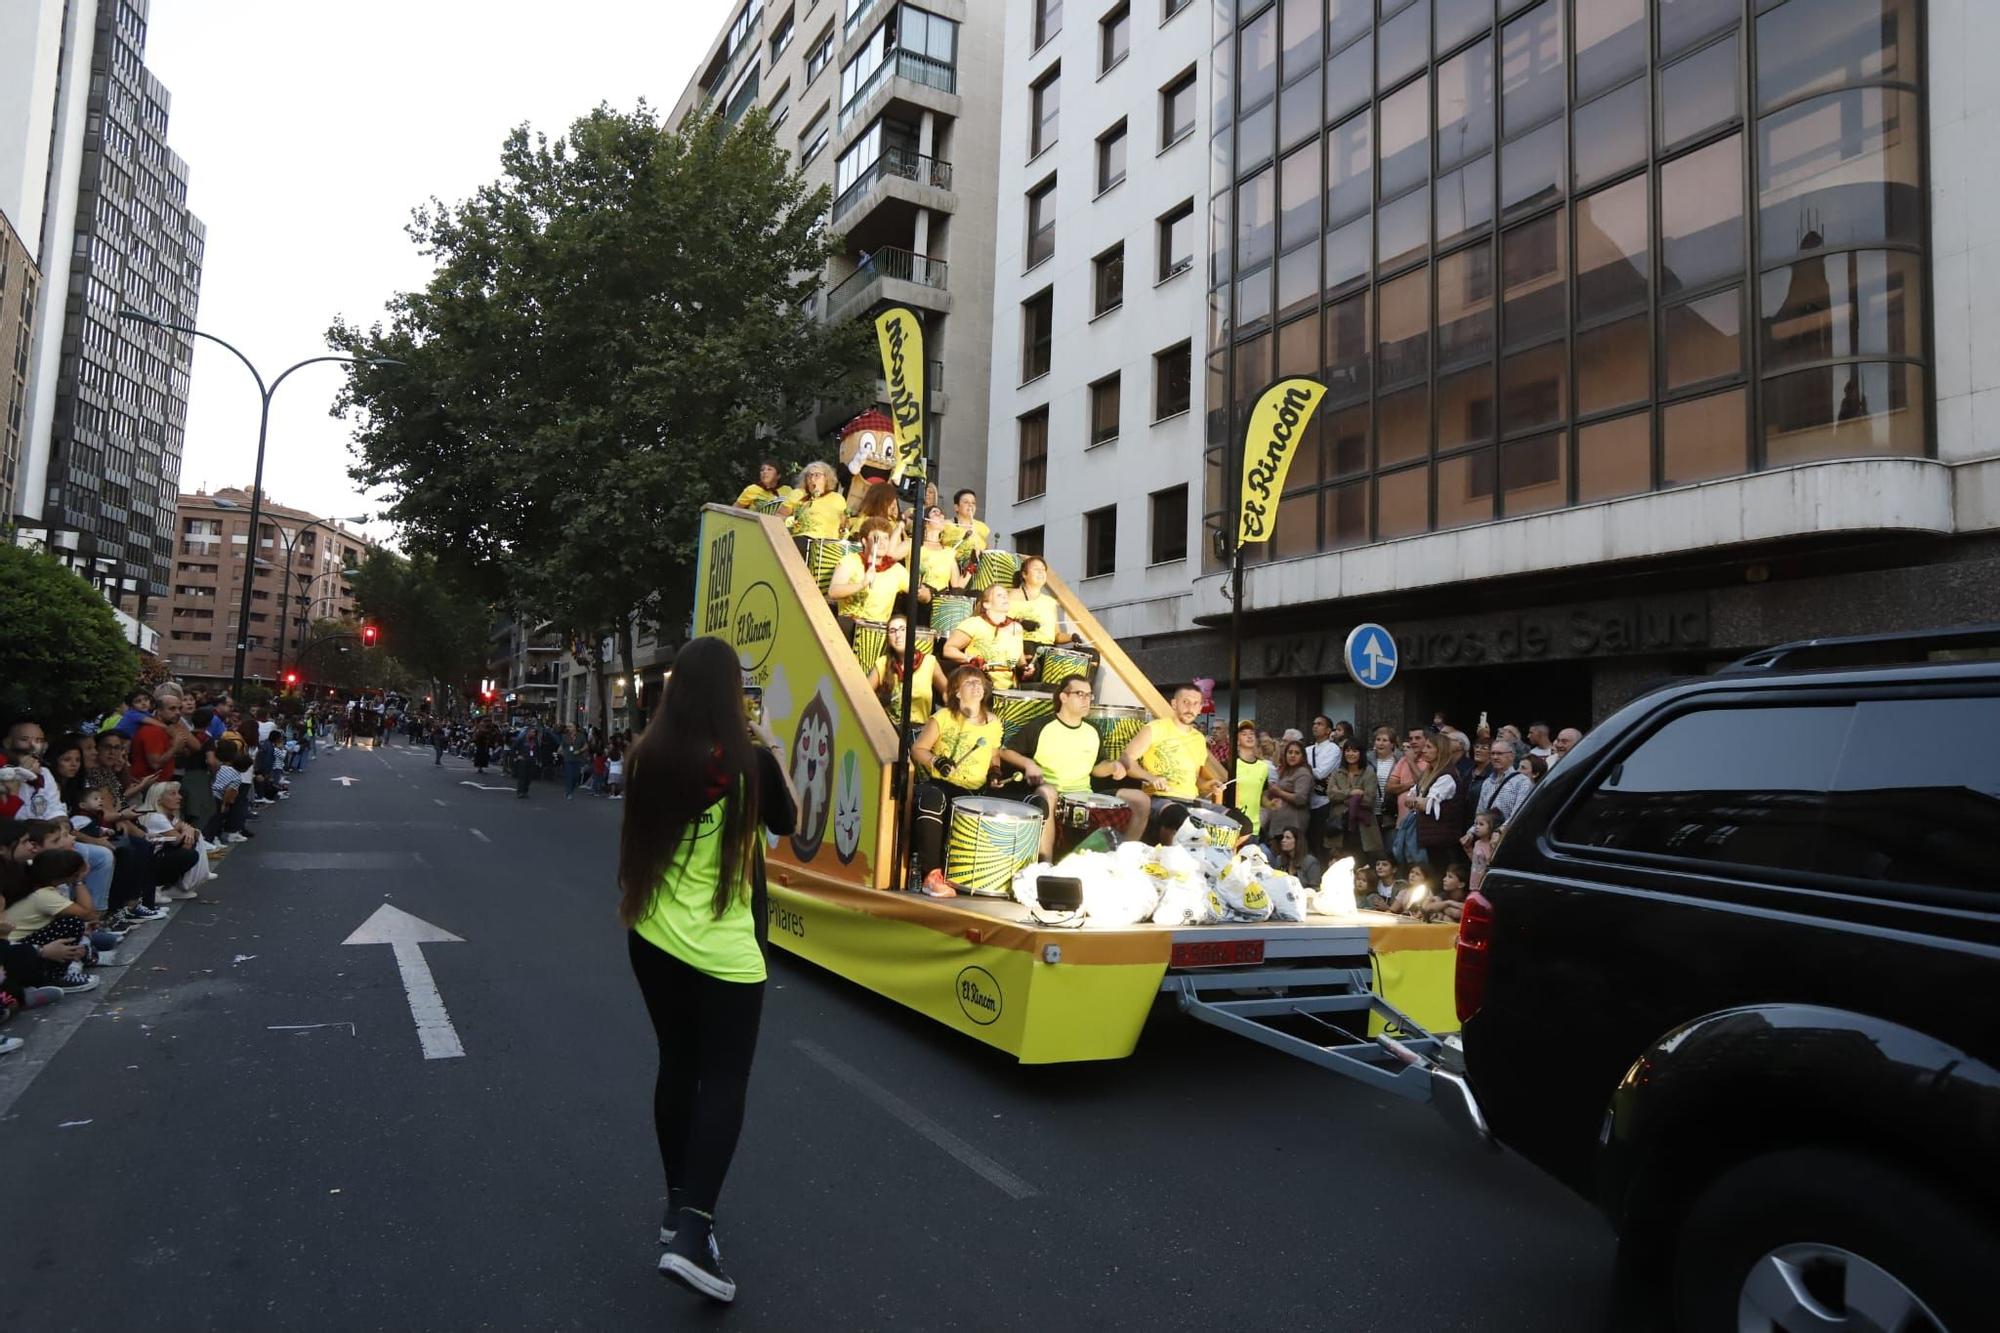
<point>477,834</point>
<point>435,801</point>
<point>967,1155</point>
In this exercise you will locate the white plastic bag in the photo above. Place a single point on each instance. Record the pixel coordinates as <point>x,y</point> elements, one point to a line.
<point>1335,895</point>
<point>1120,896</point>
<point>1288,895</point>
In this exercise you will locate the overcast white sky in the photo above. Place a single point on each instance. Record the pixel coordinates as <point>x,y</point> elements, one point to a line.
<point>310,131</point>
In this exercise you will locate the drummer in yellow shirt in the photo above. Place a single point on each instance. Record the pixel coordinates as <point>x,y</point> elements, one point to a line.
<point>988,638</point>
<point>866,583</point>
<point>966,532</point>
<point>1034,605</point>
<point>766,487</point>
<point>956,753</point>
<point>937,567</point>
<point>1165,758</point>
<point>1059,755</point>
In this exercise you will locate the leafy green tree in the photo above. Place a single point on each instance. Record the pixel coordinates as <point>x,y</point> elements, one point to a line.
<point>428,622</point>
<point>63,655</point>
<point>334,658</point>
<point>617,329</point>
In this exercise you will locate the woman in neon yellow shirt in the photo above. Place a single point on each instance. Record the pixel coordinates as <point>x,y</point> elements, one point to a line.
<point>701,787</point>
<point>957,750</point>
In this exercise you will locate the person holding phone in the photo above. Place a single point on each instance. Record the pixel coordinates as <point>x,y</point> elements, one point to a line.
<point>704,787</point>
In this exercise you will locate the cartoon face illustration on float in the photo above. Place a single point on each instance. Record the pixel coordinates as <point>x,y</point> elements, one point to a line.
<point>847,808</point>
<point>868,451</point>
<point>812,776</point>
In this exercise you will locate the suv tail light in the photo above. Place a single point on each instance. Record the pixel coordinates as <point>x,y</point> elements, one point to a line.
<point>1475,933</point>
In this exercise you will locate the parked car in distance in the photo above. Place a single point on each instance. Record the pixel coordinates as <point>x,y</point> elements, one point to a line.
<point>1734,975</point>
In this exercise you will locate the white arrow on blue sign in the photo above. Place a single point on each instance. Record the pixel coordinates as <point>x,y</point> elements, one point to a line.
<point>1371,656</point>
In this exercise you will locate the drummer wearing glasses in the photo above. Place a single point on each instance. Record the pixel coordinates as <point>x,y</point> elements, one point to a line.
<point>1060,754</point>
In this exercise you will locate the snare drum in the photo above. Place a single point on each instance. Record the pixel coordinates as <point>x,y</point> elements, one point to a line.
<point>823,556</point>
<point>950,607</point>
<point>1065,661</point>
<point>770,506</point>
<point>871,640</point>
<point>1117,724</point>
<point>1082,813</point>
<point>926,640</point>
<point>989,842</point>
<point>993,567</point>
<point>1217,824</point>
<point>1017,708</point>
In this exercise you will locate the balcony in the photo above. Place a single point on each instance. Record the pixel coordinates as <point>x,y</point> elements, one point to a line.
<point>892,275</point>
<point>895,164</point>
<point>912,68</point>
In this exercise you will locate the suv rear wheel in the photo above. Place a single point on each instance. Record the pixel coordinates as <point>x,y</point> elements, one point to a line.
<point>1821,1239</point>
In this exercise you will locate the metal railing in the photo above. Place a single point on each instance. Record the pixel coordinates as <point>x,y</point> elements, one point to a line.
<point>900,65</point>
<point>899,162</point>
<point>887,262</point>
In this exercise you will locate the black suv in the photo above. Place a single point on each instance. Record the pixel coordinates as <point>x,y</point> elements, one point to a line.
<point>1734,975</point>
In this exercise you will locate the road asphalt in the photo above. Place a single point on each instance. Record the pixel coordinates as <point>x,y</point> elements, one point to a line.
<point>242,1131</point>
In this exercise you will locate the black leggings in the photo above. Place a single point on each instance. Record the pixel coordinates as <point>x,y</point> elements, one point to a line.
<point>707,1030</point>
<point>927,833</point>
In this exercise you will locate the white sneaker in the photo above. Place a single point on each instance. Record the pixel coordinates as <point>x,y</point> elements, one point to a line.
<point>233,838</point>
<point>8,1045</point>
<point>183,895</point>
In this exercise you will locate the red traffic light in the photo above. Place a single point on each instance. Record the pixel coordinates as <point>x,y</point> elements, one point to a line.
<point>368,633</point>
<point>291,679</point>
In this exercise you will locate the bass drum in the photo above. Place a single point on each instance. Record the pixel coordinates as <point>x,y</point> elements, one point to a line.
<point>1065,661</point>
<point>1214,824</point>
<point>989,842</point>
<point>1018,708</point>
<point>823,557</point>
<point>871,640</point>
<point>993,567</point>
<point>1116,725</point>
<point>948,608</point>
<point>1082,813</point>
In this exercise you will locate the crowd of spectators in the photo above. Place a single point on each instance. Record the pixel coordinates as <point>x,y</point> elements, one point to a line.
<point>1418,811</point>
<point>106,825</point>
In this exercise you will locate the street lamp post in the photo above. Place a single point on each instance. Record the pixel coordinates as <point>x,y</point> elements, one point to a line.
<point>265,392</point>
<point>306,602</point>
<point>285,595</point>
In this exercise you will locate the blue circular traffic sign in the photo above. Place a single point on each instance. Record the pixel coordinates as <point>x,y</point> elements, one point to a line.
<point>1371,656</point>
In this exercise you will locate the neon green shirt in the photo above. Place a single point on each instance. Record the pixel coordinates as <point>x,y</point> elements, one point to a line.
<point>682,918</point>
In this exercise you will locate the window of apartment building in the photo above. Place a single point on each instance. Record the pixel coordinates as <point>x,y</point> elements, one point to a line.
<point>1100,542</point>
<point>781,34</point>
<point>1048,20</point>
<point>1169,8</point>
<point>1111,157</point>
<point>1168,536</point>
<point>1028,541</point>
<point>1104,410</point>
<point>1107,280</point>
<point>1031,476</point>
<point>1177,110</point>
<point>1173,380</point>
<point>1044,111</point>
<point>821,54</point>
<point>812,139</point>
<point>780,105</point>
<point>1175,231</point>
<point>1041,222</point>
<point>1114,37</point>
<point>1038,320</point>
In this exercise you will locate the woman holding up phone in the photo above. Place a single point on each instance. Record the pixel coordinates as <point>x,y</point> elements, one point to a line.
<point>702,787</point>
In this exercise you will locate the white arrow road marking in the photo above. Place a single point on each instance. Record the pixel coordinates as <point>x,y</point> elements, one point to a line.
<point>347,782</point>
<point>405,934</point>
<point>483,787</point>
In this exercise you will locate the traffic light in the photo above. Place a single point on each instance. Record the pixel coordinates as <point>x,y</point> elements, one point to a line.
<point>368,633</point>
<point>291,680</point>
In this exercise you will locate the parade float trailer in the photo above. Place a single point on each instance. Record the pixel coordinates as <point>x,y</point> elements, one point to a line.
<point>1335,990</point>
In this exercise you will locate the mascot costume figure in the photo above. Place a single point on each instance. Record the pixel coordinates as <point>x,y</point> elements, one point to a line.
<point>868,452</point>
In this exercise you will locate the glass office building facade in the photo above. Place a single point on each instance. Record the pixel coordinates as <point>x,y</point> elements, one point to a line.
<point>1547,253</point>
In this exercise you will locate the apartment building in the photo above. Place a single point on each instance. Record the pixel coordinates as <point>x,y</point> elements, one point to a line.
<point>894,107</point>
<point>1095,436</point>
<point>1655,331</point>
<point>198,617</point>
<point>20,286</point>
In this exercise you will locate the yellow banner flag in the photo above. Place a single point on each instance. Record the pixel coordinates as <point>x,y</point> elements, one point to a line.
<point>901,339</point>
<point>1276,426</point>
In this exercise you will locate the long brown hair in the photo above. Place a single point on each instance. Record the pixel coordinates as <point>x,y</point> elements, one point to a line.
<point>694,744</point>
